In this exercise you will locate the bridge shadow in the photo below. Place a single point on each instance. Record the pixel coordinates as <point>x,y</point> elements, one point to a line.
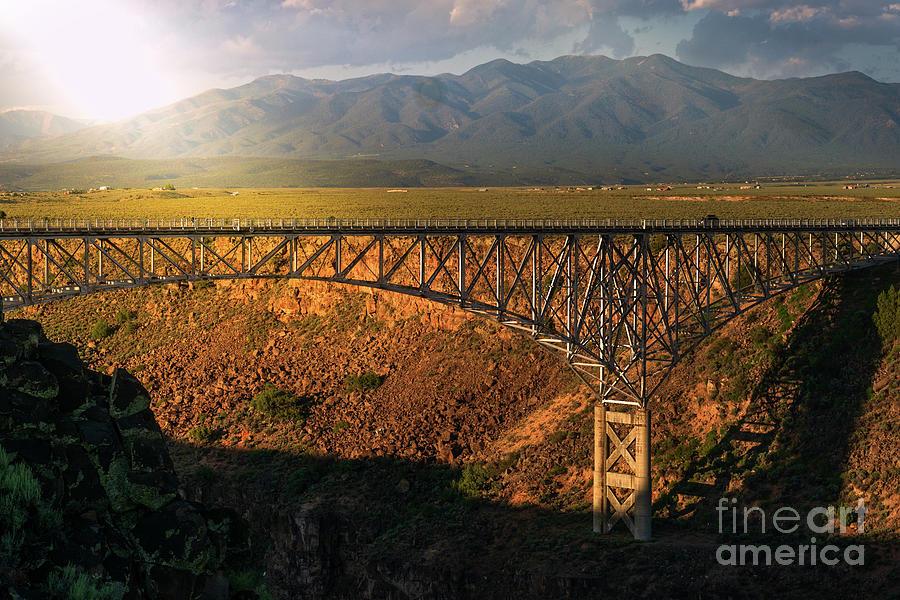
<point>790,445</point>
<point>383,527</point>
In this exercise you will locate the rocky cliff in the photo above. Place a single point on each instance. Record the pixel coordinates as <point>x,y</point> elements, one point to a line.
<point>89,502</point>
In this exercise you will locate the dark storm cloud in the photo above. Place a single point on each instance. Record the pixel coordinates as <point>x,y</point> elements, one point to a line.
<point>766,38</point>
<point>777,39</point>
<point>235,36</point>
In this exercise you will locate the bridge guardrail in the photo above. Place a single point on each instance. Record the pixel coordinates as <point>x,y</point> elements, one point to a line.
<point>13,225</point>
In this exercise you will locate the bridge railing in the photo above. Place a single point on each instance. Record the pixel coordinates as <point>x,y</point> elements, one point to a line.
<point>187,224</point>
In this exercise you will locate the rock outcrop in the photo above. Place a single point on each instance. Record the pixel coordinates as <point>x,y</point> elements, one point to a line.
<point>88,493</point>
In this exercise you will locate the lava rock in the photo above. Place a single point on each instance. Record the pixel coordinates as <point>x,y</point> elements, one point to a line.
<point>95,490</point>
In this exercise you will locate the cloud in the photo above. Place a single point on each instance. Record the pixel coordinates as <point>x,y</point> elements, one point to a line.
<point>766,38</point>
<point>762,38</point>
<point>795,13</point>
<point>471,12</point>
<point>606,34</point>
<point>787,39</point>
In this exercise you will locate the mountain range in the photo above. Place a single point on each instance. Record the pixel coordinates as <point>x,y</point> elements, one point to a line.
<point>640,118</point>
<point>22,124</point>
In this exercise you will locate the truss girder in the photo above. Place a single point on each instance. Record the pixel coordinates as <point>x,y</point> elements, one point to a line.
<point>621,307</point>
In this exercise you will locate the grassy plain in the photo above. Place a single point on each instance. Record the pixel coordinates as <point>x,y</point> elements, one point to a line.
<point>785,200</point>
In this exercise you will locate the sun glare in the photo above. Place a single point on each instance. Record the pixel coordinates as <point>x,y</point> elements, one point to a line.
<point>104,58</point>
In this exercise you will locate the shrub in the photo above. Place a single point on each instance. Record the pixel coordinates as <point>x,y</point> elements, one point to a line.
<point>472,480</point>
<point>204,434</point>
<point>340,426</point>
<point>557,436</point>
<point>281,405</point>
<point>658,241</point>
<point>101,329</point>
<point>124,315</point>
<point>206,475</point>
<point>299,480</point>
<point>785,316</point>
<point>251,580</point>
<point>887,315</point>
<point>130,327</point>
<point>743,278</point>
<point>21,508</point>
<point>21,492</point>
<point>68,583</point>
<point>759,335</point>
<point>366,382</point>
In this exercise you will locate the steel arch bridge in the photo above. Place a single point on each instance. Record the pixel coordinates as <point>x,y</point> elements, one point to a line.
<point>620,300</point>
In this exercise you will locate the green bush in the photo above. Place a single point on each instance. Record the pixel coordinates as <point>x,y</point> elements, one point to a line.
<point>130,327</point>
<point>67,583</point>
<point>124,315</point>
<point>21,492</point>
<point>280,405</point>
<point>204,434</point>
<point>250,580</point>
<point>658,241</point>
<point>21,508</point>
<point>785,316</point>
<point>205,475</point>
<point>472,480</point>
<point>759,335</point>
<point>366,382</point>
<point>887,315</point>
<point>340,426</point>
<point>101,329</point>
<point>300,479</point>
<point>743,278</point>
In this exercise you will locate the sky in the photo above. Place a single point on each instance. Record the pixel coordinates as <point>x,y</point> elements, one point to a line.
<point>110,59</point>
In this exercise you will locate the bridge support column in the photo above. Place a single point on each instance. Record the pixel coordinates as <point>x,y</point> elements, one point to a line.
<point>621,488</point>
<point>643,493</point>
<point>600,445</point>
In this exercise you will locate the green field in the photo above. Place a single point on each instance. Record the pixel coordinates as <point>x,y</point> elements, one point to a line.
<point>819,200</point>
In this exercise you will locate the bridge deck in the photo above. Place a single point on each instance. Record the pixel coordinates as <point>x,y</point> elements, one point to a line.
<point>17,228</point>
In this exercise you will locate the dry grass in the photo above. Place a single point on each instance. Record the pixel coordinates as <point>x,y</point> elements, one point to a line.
<point>785,201</point>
